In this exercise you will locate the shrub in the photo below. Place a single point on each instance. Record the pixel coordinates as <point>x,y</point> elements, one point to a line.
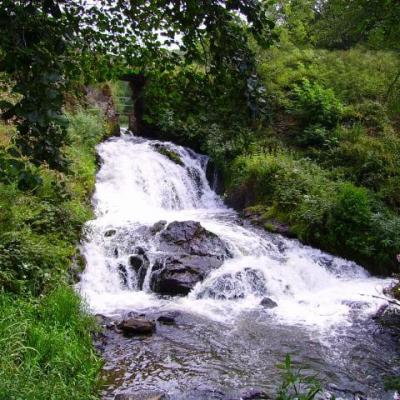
<point>316,105</point>
<point>334,215</point>
<point>317,135</point>
<point>40,224</point>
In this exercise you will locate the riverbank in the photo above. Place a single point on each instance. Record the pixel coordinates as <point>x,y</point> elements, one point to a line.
<point>46,349</point>
<point>310,142</point>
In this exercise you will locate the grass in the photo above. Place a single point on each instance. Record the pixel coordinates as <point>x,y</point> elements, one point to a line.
<point>321,209</point>
<point>46,349</point>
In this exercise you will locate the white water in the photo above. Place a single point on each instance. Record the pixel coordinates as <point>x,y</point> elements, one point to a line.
<point>138,186</point>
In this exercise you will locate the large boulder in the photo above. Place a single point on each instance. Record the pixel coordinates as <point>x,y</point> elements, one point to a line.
<point>188,254</point>
<point>191,238</point>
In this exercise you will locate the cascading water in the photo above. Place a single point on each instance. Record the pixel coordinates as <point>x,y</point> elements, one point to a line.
<point>322,300</point>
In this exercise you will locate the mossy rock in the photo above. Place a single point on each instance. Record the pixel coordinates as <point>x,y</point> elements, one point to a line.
<point>172,155</point>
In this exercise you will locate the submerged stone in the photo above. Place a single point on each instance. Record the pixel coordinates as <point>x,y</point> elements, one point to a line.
<point>137,326</point>
<point>142,395</point>
<point>266,302</point>
<point>167,319</point>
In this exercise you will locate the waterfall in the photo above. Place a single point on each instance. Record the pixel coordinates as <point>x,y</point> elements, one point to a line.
<point>137,186</point>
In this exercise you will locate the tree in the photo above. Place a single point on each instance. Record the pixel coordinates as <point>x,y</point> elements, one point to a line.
<point>345,23</point>
<point>45,45</point>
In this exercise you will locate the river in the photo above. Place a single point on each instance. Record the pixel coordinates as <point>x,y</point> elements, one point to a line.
<point>224,340</point>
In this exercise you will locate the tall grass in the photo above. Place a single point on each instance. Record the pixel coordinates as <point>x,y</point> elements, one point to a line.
<point>45,348</point>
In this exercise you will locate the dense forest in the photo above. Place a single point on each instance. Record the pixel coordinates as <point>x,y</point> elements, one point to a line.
<point>296,102</point>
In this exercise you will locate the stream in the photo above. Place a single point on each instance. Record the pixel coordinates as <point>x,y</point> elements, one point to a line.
<point>224,341</point>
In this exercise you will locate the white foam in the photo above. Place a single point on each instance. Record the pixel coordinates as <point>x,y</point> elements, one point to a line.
<point>137,185</point>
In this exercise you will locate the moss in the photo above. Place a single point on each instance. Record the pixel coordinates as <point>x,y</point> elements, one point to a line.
<point>172,155</point>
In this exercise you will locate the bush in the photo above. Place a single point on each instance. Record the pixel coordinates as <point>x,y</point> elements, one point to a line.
<point>317,135</point>
<point>316,105</point>
<point>40,224</point>
<point>46,349</point>
<point>334,215</point>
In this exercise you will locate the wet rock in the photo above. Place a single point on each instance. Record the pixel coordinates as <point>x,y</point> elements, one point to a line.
<point>253,394</point>
<point>140,264</point>
<point>76,268</point>
<point>136,262</point>
<point>167,319</point>
<point>389,317</point>
<point>196,178</point>
<point>214,178</point>
<point>142,395</point>
<point>158,226</point>
<point>232,286</point>
<point>275,226</point>
<point>140,251</point>
<point>110,232</point>
<point>266,302</point>
<point>169,153</point>
<point>137,326</point>
<point>191,253</point>
<point>178,274</point>
<point>104,321</point>
<point>190,237</point>
<point>123,274</point>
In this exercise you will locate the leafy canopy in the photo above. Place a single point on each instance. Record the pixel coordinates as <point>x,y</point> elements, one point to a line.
<point>47,46</point>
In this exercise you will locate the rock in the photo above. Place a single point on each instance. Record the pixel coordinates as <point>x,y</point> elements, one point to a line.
<point>178,274</point>
<point>170,154</point>
<point>137,326</point>
<point>167,319</point>
<point>110,232</point>
<point>140,264</point>
<point>136,262</point>
<point>232,286</point>
<point>158,226</point>
<point>266,302</point>
<point>76,268</point>
<point>123,274</point>
<point>388,317</point>
<point>140,251</point>
<point>190,253</point>
<point>255,395</point>
<point>142,395</point>
<point>196,178</point>
<point>214,178</point>
<point>190,237</point>
<point>252,394</point>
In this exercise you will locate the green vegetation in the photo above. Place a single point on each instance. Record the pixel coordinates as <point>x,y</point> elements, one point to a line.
<point>45,333</point>
<point>296,384</point>
<point>296,101</point>
<point>309,136</point>
<point>45,348</point>
<point>174,157</point>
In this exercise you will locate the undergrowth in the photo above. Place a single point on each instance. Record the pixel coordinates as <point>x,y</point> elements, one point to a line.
<point>46,349</point>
